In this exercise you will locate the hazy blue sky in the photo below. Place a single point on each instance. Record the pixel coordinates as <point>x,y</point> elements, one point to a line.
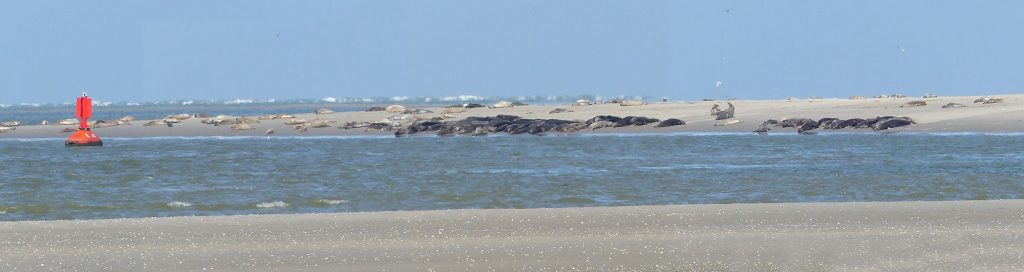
<point>162,50</point>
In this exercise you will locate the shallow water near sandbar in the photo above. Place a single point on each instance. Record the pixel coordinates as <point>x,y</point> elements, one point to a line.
<point>42,180</point>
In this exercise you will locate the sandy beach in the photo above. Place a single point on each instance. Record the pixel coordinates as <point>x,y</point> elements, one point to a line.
<point>895,236</point>
<point>975,117</point>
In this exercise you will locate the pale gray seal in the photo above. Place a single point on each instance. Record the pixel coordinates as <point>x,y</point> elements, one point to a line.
<point>912,104</point>
<point>395,109</point>
<point>242,126</point>
<point>559,110</point>
<point>630,103</point>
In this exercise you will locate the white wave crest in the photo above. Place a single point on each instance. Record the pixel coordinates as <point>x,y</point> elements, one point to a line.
<point>179,204</point>
<point>331,201</point>
<point>239,101</point>
<point>271,205</point>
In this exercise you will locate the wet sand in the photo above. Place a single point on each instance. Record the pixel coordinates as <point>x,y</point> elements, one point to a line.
<point>896,236</point>
<point>1005,117</point>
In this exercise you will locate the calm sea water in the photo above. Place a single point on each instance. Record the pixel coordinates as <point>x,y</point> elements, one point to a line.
<point>42,180</point>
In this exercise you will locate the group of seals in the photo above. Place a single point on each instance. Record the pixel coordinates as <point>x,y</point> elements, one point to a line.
<point>988,100</point>
<point>723,114</point>
<point>806,125</point>
<point>511,124</point>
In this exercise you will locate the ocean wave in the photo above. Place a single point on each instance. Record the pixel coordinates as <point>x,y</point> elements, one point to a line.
<point>331,201</point>
<point>272,205</point>
<point>179,204</point>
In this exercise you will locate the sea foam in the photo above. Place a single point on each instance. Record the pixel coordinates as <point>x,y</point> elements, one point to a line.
<point>179,204</point>
<point>271,205</point>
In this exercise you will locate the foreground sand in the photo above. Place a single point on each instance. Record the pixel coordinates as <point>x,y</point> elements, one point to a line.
<point>1001,117</point>
<point>898,236</point>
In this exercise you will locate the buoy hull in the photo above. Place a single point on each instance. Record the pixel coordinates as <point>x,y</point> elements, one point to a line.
<point>83,137</point>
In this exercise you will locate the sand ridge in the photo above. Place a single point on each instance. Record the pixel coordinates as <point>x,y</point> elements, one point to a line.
<point>976,117</point>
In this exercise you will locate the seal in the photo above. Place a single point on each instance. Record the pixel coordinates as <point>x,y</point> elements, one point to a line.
<point>323,111</point>
<point>728,122</point>
<point>241,127</point>
<point>888,122</point>
<point>763,128</point>
<point>395,109</point>
<point>632,103</point>
<point>68,122</point>
<point>7,129</point>
<point>10,124</point>
<point>671,122</point>
<point>292,122</point>
<point>912,104</point>
<point>501,104</point>
<point>953,106</point>
<point>559,110</point>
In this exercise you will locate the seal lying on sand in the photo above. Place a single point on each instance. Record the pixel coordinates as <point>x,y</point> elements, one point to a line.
<point>763,128</point>
<point>559,110</point>
<point>631,103</point>
<point>891,122</point>
<point>988,100</point>
<point>913,104</point>
<point>10,124</point>
<point>418,111</point>
<point>728,122</point>
<point>671,122</point>
<point>501,104</point>
<point>953,105</point>
<point>320,123</point>
<point>7,129</point>
<point>247,120</point>
<point>240,127</point>
<point>292,122</point>
<point>395,109</point>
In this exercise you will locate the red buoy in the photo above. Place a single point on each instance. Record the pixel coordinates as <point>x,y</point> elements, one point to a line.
<point>84,135</point>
